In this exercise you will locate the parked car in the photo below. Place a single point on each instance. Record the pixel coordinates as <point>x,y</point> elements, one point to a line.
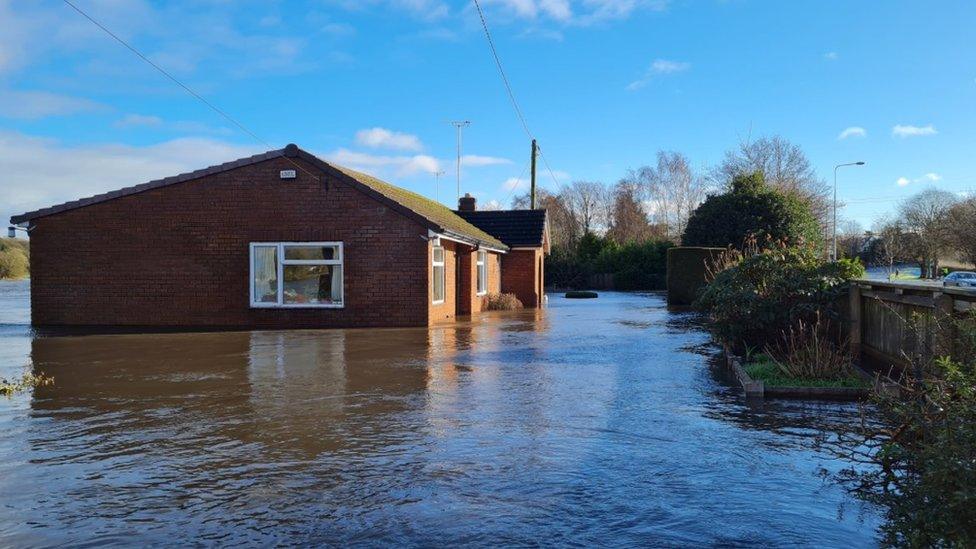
<point>964,279</point>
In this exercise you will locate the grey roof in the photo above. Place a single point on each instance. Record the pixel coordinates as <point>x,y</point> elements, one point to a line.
<point>516,228</point>
<point>433,215</point>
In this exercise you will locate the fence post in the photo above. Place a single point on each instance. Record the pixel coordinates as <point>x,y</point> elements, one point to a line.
<point>855,318</point>
<point>943,324</point>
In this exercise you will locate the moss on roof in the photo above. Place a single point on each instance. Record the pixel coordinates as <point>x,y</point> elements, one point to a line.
<point>434,211</point>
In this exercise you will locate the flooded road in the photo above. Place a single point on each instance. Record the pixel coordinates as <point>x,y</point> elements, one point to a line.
<point>594,422</point>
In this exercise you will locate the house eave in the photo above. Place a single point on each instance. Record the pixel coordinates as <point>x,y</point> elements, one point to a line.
<point>461,239</point>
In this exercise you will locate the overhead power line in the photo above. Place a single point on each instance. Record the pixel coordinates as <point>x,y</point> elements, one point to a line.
<point>176,81</point>
<point>508,87</point>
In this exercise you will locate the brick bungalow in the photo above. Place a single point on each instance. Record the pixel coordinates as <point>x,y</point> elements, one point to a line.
<point>281,239</point>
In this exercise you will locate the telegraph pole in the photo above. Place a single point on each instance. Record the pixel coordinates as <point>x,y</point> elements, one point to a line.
<point>535,149</point>
<point>459,124</point>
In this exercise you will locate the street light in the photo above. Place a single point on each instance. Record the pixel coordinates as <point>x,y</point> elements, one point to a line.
<point>834,256</point>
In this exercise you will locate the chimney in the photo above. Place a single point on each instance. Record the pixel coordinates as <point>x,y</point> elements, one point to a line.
<point>467,203</point>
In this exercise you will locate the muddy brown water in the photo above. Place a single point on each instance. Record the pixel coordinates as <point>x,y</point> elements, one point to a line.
<point>596,422</point>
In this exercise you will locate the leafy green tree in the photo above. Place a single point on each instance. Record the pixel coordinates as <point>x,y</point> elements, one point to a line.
<point>751,209</point>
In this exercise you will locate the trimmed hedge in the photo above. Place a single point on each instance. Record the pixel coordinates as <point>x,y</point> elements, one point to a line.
<point>634,266</point>
<point>686,272</point>
<point>581,294</point>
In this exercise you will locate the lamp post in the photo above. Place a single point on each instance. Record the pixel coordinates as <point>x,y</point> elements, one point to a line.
<point>834,255</point>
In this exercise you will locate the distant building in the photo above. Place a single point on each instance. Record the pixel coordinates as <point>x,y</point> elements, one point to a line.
<point>282,239</point>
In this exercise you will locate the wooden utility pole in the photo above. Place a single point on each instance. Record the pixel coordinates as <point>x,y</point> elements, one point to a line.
<point>532,188</point>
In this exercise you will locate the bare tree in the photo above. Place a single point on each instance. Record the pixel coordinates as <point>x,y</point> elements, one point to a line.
<point>562,227</point>
<point>851,238</point>
<point>892,243</point>
<point>586,202</point>
<point>927,215</point>
<point>673,190</point>
<point>962,230</point>
<point>785,166</point>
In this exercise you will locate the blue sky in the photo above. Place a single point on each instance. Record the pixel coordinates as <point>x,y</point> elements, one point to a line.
<point>373,84</point>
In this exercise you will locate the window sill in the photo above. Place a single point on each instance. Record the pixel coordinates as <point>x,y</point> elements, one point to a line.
<point>441,302</point>
<point>482,293</point>
<point>298,306</point>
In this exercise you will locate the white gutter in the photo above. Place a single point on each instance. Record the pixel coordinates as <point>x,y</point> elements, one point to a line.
<point>432,234</point>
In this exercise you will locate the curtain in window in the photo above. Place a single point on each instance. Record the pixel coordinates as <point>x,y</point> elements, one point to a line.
<point>265,274</point>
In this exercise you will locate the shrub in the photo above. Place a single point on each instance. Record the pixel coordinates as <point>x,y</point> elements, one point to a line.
<point>14,258</point>
<point>753,302</point>
<point>916,460</point>
<point>751,209</point>
<point>501,302</point>
<point>581,294</point>
<point>634,266</point>
<point>809,350</point>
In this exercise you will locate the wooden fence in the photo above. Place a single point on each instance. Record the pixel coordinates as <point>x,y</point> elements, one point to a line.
<point>892,321</point>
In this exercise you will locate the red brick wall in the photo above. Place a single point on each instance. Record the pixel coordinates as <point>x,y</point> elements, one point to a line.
<point>179,255</point>
<point>446,310</point>
<point>522,276</point>
<point>469,300</point>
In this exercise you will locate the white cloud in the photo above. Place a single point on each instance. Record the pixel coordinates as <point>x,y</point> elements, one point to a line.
<point>853,131</point>
<point>380,165</point>
<point>424,9</point>
<point>658,67</point>
<point>663,66</point>
<point>559,10</point>
<point>338,29</point>
<point>912,131</point>
<point>382,138</point>
<point>576,12</point>
<point>137,120</point>
<point>491,205</point>
<point>831,56</point>
<point>143,121</point>
<point>41,172</point>
<point>477,161</point>
<point>513,183</point>
<point>40,104</point>
<point>930,177</point>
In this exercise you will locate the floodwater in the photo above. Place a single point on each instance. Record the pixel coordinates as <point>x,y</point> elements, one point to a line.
<point>595,422</point>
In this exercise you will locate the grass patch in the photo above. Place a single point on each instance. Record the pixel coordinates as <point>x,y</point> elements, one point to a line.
<point>767,371</point>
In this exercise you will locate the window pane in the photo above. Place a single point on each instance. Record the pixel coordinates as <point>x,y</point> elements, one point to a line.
<point>438,254</point>
<point>313,284</point>
<point>265,274</point>
<point>312,252</point>
<point>438,283</point>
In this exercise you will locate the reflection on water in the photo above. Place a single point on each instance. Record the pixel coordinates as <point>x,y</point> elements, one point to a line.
<point>591,422</point>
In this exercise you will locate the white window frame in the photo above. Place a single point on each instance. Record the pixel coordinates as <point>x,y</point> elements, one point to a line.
<point>282,262</point>
<point>481,265</point>
<point>435,263</point>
